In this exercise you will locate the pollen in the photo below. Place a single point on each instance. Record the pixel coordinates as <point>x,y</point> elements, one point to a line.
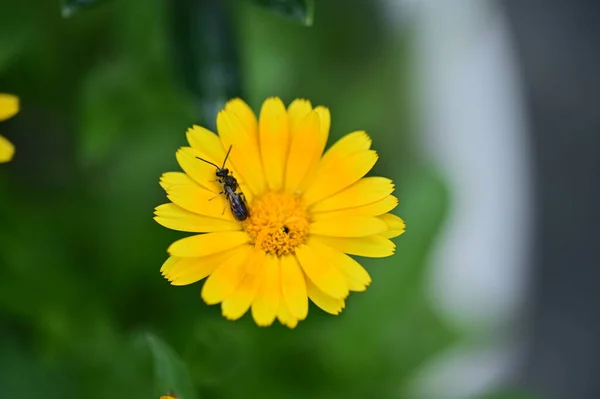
<point>277,224</point>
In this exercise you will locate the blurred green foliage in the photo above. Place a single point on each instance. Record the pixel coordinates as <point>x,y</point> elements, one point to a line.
<point>106,98</point>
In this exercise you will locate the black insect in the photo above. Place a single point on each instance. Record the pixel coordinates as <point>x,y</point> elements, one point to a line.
<point>229,185</point>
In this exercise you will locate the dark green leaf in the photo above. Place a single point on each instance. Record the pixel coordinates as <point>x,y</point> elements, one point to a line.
<point>171,372</point>
<point>70,7</point>
<point>300,10</point>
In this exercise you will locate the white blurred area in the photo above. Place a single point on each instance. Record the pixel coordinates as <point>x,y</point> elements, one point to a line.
<point>473,129</point>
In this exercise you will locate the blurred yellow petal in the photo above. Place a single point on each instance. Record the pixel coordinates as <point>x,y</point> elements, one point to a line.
<point>207,144</point>
<point>246,116</point>
<point>197,199</point>
<point>297,110</point>
<point>305,150</point>
<point>363,192</point>
<point>266,303</point>
<point>169,179</point>
<point>274,141</point>
<point>323,274</point>
<point>329,304</point>
<point>190,270</point>
<point>348,145</point>
<point>174,217</point>
<point>373,209</point>
<point>372,247</point>
<point>201,172</point>
<point>351,226</point>
<point>293,287</point>
<point>245,154</point>
<point>339,174</point>
<point>396,225</point>
<point>285,316</point>
<point>208,244</point>
<point>227,277</point>
<point>238,303</point>
<point>9,106</point>
<point>168,264</point>
<point>7,150</point>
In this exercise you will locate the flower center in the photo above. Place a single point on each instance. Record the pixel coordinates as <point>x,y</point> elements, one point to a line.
<point>277,223</point>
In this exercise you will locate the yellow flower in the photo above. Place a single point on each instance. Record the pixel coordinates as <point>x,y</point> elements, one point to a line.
<point>9,106</point>
<point>307,211</point>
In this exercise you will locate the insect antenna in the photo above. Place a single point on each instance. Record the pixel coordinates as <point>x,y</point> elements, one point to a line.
<point>226,156</point>
<point>202,159</point>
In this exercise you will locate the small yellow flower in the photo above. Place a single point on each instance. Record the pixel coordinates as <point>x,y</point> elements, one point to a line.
<point>307,212</point>
<point>9,106</point>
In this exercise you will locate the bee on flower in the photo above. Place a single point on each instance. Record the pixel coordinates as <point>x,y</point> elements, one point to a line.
<point>9,107</point>
<point>308,210</point>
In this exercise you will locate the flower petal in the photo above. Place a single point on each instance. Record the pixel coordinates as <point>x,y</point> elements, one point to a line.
<point>285,316</point>
<point>227,277</point>
<point>324,274</point>
<point>9,106</point>
<point>297,110</point>
<point>244,153</point>
<point>363,192</point>
<point>339,174</point>
<point>266,303</point>
<point>274,141</point>
<point>201,172</point>
<point>351,226</point>
<point>305,150</point>
<point>206,142</point>
<point>169,179</point>
<point>7,150</point>
<point>373,209</point>
<point>199,200</point>
<point>208,244</point>
<point>293,287</point>
<point>174,217</point>
<point>190,270</point>
<point>238,303</point>
<point>348,145</point>
<point>168,265</point>
<point>246,116</point>
<point>396,226</point>
<point>375,246</point>
<point>356,276</point>
<point>329,304</point>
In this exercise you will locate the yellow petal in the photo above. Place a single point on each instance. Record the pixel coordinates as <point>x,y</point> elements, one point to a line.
<point>245,115</point>
<point>168,265</point>
<point>297,110</point>
<point>7,150</point>
<point>244,154</point>
<point>208,244</point>
<point>363,192</point>
<point>190,270</point>
<point>286,317</point>
<point>325,124</point>
<point>201,172</point>
<point>325,275</point>
<point>266,303</point>
<point>238,303</point>
<point>293,287</point>
<point>339,174</point>
<point>305,150</point>
<point>199,200</point>
<point>351,226</point>
<point>348,145</point>
<point>329,304</point>
<point>174,217</point>
<point>207,143</point>
<point>373,209</point>
<point>372,247</point>
<point>396,225</point>
<point>356,276</point>
<point>169,179</point>
<point>274,141</point>
<point>227,277</point>
<point>9,106</point>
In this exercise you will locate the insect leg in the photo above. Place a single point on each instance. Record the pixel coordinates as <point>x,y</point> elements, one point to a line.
<point>216,196</point>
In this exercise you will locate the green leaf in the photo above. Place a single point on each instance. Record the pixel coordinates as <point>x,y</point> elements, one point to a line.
<point>70,7</point>
<point>205,55</point>
<point>171,372</point>
<point>300,10</point>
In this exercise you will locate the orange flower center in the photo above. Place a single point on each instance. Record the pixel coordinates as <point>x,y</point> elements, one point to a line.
<point>277,223</point>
